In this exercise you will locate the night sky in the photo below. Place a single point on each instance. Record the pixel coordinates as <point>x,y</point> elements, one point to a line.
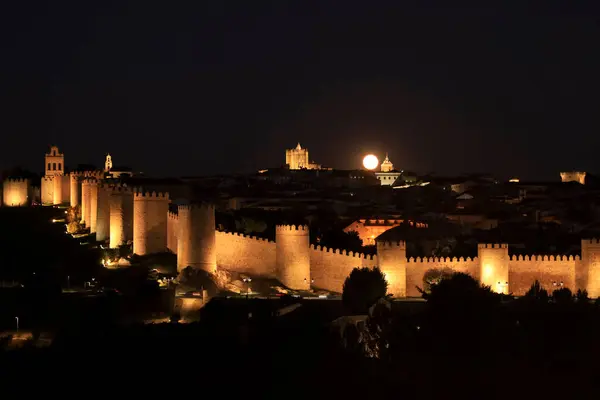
<point>207,87</point>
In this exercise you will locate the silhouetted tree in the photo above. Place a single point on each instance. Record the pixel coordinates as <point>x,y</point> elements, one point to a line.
<point>537,293</point>
<point>434,276</point>
<point>363,288</point>
<point>562,296</point>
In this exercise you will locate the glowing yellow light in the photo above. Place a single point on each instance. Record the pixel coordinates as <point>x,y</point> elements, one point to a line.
<point>370,162</point>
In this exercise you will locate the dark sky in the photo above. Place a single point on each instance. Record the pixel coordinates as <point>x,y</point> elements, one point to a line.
<point>204,87</point>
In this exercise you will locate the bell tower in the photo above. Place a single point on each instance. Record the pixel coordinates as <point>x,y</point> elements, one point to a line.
<point>108,163</point>
<point>55,162</point>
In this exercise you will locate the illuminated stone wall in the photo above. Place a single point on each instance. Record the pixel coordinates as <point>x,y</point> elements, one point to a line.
<point>249,254</point>
<point>121,216</point>
<point>196,244</point>
<point>329,268</point>
<point>75,184</point>
<point>493,264</point>
<point>86,194</point>
<point>47,190</point>
<point>150,222</point>
<point>293,256</point>
<point>172,230</point>
<point>103,213</point>
<point>93,206</point>
<point>590,260</point>
<point>392,262</point>
<point>15,192</point>
<point>58,190</point>
<point>416,268</point>
<point>553,272</point>
<point>573,176</point>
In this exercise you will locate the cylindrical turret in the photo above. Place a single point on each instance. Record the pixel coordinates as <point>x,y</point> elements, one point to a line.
<point>15,192</point>
<point>293,256</point>
<point>47,190</point>
<point>121,216</point>
<point>150,222</point>
<point>86,193</point>
<point>75,189</point>
<point>58,189</point>
<point>103,219</point>
<point>196,240</point>
<point>93,206</point>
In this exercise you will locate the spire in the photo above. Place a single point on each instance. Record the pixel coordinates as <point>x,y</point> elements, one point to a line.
<point>298,147</point>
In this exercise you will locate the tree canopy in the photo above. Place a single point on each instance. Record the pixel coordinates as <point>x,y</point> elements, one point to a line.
<point>363,288</point>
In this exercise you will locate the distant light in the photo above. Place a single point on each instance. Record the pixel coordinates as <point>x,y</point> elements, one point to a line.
<point>514,180</point>
<point>370,162</point>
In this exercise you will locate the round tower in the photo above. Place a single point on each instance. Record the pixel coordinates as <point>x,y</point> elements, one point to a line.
<point>121,214</point>
<point>15,192</point>
<point>93,205</point>
<point>47,190</point>
<point>75,189</point>
<point>58,190</point>
<point>196,243</point>
<point>86,194</point>
<point>293,256</point>
<point>391,257</point>
<point>150,222</point>
<point>103,215</point>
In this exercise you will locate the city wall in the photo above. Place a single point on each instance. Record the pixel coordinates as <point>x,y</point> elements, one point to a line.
<point>249,254</point>
<point>15,192</point>
<point>329,268</point>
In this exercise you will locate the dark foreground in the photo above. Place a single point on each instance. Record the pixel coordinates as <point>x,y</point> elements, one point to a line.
<point>515,351</point>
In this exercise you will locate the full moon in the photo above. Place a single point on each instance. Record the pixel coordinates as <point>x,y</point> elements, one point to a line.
<point>370,162</point>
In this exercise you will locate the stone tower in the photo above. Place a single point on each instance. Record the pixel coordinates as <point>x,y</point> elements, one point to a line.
<point>55,162</point>
<point>196,239</point>
<point>103,213</point>
<point>292,257</point>
<point>386,165</point>
<point>15,192</point>
<point>108,163</point>
<point>493,266</point>
<point>590,262</point>
<point>121,216</point>
<point>150,222</point>
<point>75,183</point>
<point>86,199</point>
<point>93,205</point>
<point>392,262</point>
<point>58,189</point>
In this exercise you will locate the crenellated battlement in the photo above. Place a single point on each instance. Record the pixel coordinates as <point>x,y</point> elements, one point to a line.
<point>47,179</point>
<point>342,252</point>
<point>139,195</point>
<point>492,246</point>
<point>401,244</point>
<point>437,260</point>
<point>543,258</point>
<point>291,228</point>
<point>120,189</point>
<point>172,215</point>
<point>591,241</point>
<point>238,234</point>
<point>16,180</point>
<point>196,206</point>
<point>89,181</point>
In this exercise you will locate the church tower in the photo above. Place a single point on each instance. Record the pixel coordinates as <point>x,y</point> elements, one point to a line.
<point>55,162</point>
<point>297,158</point>
<point>108,163</point>
<point>386,165</point>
